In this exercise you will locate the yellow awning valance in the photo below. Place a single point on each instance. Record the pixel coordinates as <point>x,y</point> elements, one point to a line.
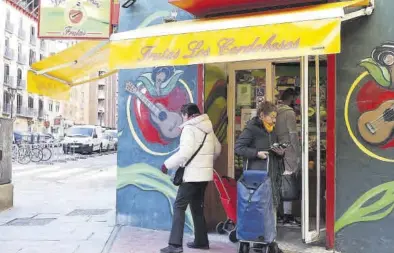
<point>311,30</point>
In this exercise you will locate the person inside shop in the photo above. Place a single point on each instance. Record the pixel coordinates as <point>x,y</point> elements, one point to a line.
<point>255,144</point>
<point>197,130</point>
<point>286,130</point>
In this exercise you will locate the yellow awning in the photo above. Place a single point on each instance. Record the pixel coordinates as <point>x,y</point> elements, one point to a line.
<point>311,30</point>
<point>53,76</point>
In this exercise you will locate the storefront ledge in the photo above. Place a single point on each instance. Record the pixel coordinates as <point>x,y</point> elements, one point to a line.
<point>6,196</point>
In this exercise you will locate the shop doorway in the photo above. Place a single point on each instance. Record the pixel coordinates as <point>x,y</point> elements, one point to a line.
<point>251,82</point>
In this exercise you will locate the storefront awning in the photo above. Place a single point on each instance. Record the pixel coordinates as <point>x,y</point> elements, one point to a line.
<point>53,76</point>
<point>311,30</point>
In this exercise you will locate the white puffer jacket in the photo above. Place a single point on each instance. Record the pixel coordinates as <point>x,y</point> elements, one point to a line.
<point>200,168</point>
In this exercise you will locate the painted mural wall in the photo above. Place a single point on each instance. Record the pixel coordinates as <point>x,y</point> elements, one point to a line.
<point>365,141</point>
<point>149,114</point>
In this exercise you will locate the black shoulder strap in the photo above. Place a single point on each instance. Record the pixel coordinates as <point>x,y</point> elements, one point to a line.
<point>198,150</point>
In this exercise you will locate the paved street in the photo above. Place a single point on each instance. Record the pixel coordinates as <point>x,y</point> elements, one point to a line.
<point>63,208</point>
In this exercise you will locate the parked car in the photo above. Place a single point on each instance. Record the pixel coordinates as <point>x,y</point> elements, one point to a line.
<point>110,142</point>
<point>114,135</point>
<point>83,139</point>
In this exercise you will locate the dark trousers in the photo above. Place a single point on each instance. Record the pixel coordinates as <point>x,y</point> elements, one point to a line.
<point>193,194</point>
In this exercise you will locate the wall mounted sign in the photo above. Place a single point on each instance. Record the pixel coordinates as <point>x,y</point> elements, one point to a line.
<point>75,19</point>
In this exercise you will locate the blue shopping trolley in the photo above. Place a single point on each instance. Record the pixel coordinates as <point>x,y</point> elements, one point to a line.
<point>256,224</point>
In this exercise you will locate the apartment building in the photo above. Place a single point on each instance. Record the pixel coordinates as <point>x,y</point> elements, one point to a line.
<point>20,48</point>
<point>93,103</point>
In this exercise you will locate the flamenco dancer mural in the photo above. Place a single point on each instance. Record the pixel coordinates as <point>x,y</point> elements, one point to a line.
<point>373,94</point>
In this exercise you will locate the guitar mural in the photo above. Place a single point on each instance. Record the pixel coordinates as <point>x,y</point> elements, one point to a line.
<point>376,127</point>
<point>167,122</point>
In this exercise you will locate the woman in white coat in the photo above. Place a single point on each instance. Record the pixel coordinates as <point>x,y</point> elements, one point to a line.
<point>196,177</point>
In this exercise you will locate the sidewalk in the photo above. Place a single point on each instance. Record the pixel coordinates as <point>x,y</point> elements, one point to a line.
<point>61,208</point>
<point>137,240</point>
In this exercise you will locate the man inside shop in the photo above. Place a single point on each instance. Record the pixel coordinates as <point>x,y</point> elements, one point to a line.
<point>286,130</point>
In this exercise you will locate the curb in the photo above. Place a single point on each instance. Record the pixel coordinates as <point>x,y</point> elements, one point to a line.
<point>111,239</point>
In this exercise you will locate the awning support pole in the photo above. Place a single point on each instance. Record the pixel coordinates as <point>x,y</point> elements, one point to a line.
<point>367,11</point>
<point>69,64</point>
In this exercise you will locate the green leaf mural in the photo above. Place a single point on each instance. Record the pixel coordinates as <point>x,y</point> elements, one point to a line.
<point>379,209</point>
<point>379,73</point>
<point>148,178</point>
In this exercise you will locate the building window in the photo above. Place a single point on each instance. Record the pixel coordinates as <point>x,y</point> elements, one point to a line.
<point>32,31</point>
<point>57,108</point>
<point>19,77</point>
<point>19,50</point>
<point>42,45</point>
<point>100,73</point>
<point>50,106</point>
<point>41,57</point>
<point>30,102</point>
<point>32,57</point>
<point>7,42</point>
<point>6,73</point>
<point>19,100</point>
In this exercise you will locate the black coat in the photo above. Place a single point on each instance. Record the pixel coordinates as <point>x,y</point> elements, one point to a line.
<point>253,139</point>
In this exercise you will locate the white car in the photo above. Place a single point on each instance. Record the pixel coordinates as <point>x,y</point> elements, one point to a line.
<point>114,135</point>
<point>109,142</point>
<point>83,139</point>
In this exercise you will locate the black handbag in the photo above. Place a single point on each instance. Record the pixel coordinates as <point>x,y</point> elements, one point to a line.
<point>178,178</point>
<point>290,187</point>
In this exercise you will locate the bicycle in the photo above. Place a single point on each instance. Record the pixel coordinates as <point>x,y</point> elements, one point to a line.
<point>29,153</point>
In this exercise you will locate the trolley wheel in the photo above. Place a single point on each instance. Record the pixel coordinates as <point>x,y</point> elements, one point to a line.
<point>243,247</point>
<point>233,236</point>
<point>220,228</point>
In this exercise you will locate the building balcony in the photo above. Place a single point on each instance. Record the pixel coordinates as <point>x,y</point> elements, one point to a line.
<point>26,112</point>
<point>7,108</point>
<point>21,34</point>
<point>9,81</point>
<point>21,84</point>
<point>22,59</point>
<point>9,53</point>
<point>33,41</point>
<point>9,27</point>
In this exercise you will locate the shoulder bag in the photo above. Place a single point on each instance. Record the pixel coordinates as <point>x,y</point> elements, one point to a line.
<point>178,178</point>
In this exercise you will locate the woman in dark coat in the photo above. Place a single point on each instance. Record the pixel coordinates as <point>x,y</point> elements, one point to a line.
<point>255,144</point>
